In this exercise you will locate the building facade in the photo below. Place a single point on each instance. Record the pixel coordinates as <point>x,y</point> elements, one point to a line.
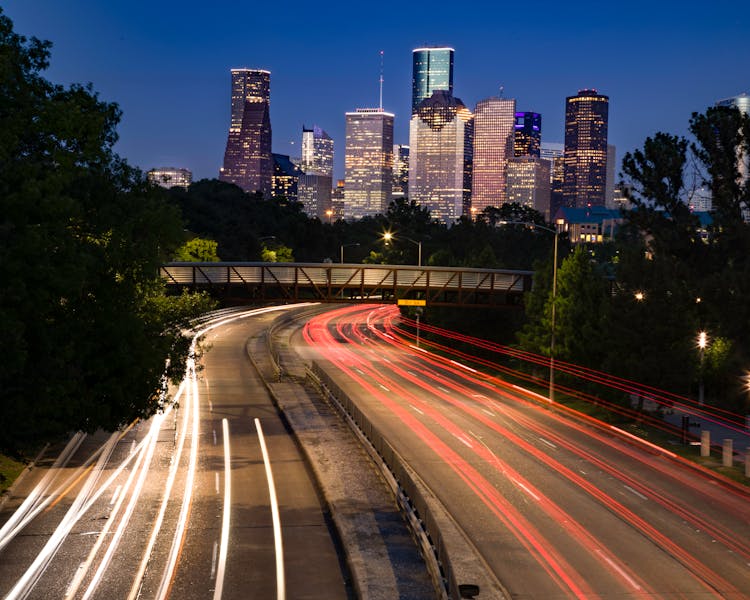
<point>368,162</point>
<point>528,134</point>
<point>585,171</point>
<point>440,159</point>
<point>400,171</point>
<point>247,159</point>
<point>285,180</point>
<point>741,102</point>
<point>494,145</point>
<point>168,177</point>
<point>317,152</point>
<point>528,181</point>
<point>432,69</point>
<point>554,152</point>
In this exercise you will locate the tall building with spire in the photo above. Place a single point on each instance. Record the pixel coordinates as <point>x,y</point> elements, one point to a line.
<point>368,162</point>
<point>248,161</point>
<point>440,156</point>
<point>494,140</point>
<point>585,171</point>
<point>432,69</point>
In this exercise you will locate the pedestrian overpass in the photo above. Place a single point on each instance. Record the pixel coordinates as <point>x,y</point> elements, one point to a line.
<point>249,282</point>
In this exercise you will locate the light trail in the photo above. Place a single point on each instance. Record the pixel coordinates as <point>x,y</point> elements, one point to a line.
<point>280,579</point>
<point>227,509</point>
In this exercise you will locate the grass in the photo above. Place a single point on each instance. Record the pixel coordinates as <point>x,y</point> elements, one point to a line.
<point>10,469</point>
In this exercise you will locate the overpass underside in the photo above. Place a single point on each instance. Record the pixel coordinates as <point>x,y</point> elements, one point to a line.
<point>348,283</point>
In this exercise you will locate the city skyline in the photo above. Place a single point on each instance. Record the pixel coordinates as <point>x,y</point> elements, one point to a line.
<point>170,72</point>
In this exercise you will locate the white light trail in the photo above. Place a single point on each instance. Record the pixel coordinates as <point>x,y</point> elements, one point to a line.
<point>224,545</point>
<point>280,582</point>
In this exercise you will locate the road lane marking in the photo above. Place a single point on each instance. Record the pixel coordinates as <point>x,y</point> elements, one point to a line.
<point>216,481</point>
<point>114,496</point>
<point>488,412</point>
<point>550,444</point>
<point>463,366</point>
<point>635,492</point>
<point>382,387</point>
<point>224,546</point>
<point>214,555</point>
<point>463,440</point>
<point>619,570</point>
<point>442,389</point>
<point>421,412</point>
<point>280,583</point>
<point>526,489</point>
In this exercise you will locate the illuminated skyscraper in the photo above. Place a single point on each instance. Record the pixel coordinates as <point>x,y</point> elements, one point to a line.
<point>528,134</point>
<point>554,152</point>
<point>494,139</point>
<point>432,70</point>
<point>586,118</point>
<point>528,183</point>
<point>440,142</point>
<point>317,152</point>
<point>317,163</point>
<point>286,177</point>
<point>742,102</point>
<point>247,160</point>
<point>368,162</point>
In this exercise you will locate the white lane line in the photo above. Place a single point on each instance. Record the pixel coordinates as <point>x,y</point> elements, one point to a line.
<point>637,493</point>
<point>382,387</point>
<point>224,545</point>
<point>115,495</point>
<point>488,412</point>
<point>412,373</point>
<point>132,447</point>
<point>216,481</point>
<point>619,570</point>
<point>214,555</point>
<point>442,389</point>
<point>550,444</point>
<point>421,412</point>
<point>479,396</point>
<point>280,582</point>
<point>525,489</point>
<point>215,441</point>
<point>458,364</point>
<point>464,440</point>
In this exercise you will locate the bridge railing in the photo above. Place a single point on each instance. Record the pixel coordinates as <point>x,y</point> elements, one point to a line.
<point>334,282</point>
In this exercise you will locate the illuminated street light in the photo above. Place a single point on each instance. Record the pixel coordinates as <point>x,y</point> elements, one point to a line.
<point>702,343</point>
<point>556,233</point>
<point>640,296</point>
<point>388,237</point>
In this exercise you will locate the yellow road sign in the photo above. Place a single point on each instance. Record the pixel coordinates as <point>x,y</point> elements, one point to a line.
<point>410,302</point>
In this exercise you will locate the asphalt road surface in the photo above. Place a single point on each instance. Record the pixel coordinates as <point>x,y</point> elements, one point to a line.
<point>556,507</point>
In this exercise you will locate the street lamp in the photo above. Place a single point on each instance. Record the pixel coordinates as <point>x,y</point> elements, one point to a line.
<point>556,233</point>
<point>702,343</point>
<point>329,214</point>
<point>388,236</point>
<point>346,246</point>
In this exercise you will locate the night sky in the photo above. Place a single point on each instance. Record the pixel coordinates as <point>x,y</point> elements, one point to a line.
<point>167,63</point>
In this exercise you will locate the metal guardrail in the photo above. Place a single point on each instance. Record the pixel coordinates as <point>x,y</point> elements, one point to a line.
<point>333,282</point>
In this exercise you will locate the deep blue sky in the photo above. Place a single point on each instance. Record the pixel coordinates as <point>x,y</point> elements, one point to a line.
<point>166,63</point>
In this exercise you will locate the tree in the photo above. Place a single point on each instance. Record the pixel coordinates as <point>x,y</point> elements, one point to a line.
<point>197,250</point>
<point>85,321</point>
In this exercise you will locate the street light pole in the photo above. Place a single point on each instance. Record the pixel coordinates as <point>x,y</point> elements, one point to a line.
<point>388,236</point>
<point>346,246</point>
<point>702,343</point>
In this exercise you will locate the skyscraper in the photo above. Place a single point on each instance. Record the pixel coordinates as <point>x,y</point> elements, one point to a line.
<point>317,163</point>
<point>528,183</point>
<point>586,118</point>
<point>432,69</point>
<point>368,162</point>
<point>494,139</point>
<point>317,151</point>
<point>400,170</point>
<point>286,175</point>
<point>247,160</point>
<point>554,152</point>
<point>528,134</point>
<point>440,157</point>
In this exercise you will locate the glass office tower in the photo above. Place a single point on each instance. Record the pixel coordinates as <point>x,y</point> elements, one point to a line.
<point>585,172</point>
<point>494,137</point>
<point>528,138</point>
<point>440,156</point>
<point>247,160</point>
<point>432,70</point>
<point>368,162</point>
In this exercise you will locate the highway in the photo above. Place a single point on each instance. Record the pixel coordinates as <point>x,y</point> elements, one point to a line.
<point>211,499</point>
<point>555,507</point>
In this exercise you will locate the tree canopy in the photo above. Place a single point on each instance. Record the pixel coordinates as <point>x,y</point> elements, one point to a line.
<point>83,314</point>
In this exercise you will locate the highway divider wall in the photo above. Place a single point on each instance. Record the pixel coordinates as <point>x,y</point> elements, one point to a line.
<point>455,566</point>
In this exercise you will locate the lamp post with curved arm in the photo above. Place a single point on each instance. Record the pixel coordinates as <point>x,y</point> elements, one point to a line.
<point>388,236</point>
<point>556,233</point>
